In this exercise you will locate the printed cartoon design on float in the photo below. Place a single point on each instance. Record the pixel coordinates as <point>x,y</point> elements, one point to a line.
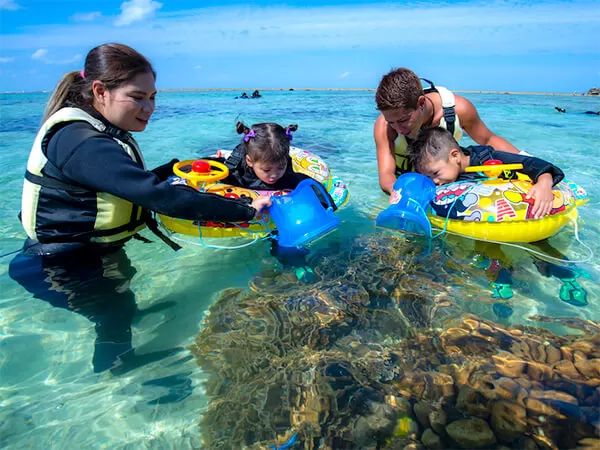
<point>310,164</point>
<point>338,190</point>
<point>237,192</point>
<point>581,195</point>
<point>499,210</point>
<point>454,200</point>
<point>502,201</point>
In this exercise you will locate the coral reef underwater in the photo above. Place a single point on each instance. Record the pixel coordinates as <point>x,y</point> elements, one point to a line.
<point>378,355</point>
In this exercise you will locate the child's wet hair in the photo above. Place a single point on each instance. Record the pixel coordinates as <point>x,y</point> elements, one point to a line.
<point>432,144</point>
<point>270,142</point>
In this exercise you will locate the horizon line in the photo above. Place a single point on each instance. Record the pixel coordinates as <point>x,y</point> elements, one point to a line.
<point>242,89</point>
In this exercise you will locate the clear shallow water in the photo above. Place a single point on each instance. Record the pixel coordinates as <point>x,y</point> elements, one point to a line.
<point>49,394</point>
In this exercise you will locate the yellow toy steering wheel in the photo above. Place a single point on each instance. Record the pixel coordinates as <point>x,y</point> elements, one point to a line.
<point>494,170</point>
<point>201,171</point>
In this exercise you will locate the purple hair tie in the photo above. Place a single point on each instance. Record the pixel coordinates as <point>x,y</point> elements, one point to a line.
<point>82,73</point>
<point>249,134</point>
<point>288,133</point>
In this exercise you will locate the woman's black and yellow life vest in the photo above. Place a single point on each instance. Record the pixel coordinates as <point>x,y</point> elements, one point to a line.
<point>57,210</point>
<point>449,121</point>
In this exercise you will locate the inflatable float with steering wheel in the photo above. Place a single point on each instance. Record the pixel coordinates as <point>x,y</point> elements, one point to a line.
<point>205,176</point>
<point>489,209</point>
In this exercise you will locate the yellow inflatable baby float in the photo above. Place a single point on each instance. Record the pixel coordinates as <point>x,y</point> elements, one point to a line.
<point>488,209</point>
<point>207,180</point>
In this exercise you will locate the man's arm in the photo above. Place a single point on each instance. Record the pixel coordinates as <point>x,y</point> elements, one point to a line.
<point>386,163</point>
<point>476,129</point>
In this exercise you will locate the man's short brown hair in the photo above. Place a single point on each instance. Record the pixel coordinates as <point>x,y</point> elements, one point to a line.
<point>401,88</point>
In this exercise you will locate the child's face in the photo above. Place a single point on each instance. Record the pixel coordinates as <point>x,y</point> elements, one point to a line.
<point>267,172</point>
<point>441,171</point>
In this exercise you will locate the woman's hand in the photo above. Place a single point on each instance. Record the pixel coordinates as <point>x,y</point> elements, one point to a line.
<point>541,192</point>
<point>260,202</point>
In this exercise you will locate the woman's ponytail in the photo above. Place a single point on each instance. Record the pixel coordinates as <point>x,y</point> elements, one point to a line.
<point>68,92</point>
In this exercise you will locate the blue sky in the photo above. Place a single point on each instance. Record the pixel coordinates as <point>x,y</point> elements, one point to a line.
<point>493,45</point>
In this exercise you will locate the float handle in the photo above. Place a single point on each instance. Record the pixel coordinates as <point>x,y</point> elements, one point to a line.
<point>493,168</point>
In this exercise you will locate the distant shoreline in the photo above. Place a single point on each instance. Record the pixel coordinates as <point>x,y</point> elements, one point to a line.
<point>461,91</point>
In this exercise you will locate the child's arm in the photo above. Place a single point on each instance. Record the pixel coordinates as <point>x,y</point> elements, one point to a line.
<point>542,173</point>
<point>532,167</point>
<point>542,193</point>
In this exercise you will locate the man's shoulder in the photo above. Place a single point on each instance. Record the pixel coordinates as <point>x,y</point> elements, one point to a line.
<point>463,107</point>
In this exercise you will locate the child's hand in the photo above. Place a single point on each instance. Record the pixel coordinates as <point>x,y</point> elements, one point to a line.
<point>542,193</point>
<point>260,202</point>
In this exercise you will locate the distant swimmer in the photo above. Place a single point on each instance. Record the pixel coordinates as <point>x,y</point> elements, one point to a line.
<point>256,94</point>
<point>592,112</point>
<point>560,109</point>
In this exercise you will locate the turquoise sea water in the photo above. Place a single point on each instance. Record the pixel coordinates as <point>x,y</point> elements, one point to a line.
<point>50,397</point>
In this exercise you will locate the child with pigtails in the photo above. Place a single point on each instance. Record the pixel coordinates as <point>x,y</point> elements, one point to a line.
<point>261,161</point>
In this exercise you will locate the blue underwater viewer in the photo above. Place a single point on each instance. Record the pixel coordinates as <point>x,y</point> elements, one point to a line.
<point>436,154</point>
<point>87,192</point>
<point>261,161</point>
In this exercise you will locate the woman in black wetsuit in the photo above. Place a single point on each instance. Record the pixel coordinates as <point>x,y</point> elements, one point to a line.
<point>87,192</point>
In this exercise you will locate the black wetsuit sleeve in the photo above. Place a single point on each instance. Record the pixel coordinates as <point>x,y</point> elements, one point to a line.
<point>532,167</point>
<point>99,163</point>
<point>291,179</point>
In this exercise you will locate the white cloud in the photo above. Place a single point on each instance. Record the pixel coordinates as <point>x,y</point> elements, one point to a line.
<point>42,53</point>
<point>344,75</point>
<point>136,10</point>
<point>39,53</point>
<point>198,67</point>
<point>497,29</point>
<point>9,5</point>
<point>4,60</point>
<point>86,17</point>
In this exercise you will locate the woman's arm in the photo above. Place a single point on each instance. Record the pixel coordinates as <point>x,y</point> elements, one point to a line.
<point>100,164</point>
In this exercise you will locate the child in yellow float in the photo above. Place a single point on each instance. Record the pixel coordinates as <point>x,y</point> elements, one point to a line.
<point>261,161</point>
<point>436,154</point>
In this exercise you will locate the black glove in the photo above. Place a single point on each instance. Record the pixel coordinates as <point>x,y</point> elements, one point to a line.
<point>165,171</point>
